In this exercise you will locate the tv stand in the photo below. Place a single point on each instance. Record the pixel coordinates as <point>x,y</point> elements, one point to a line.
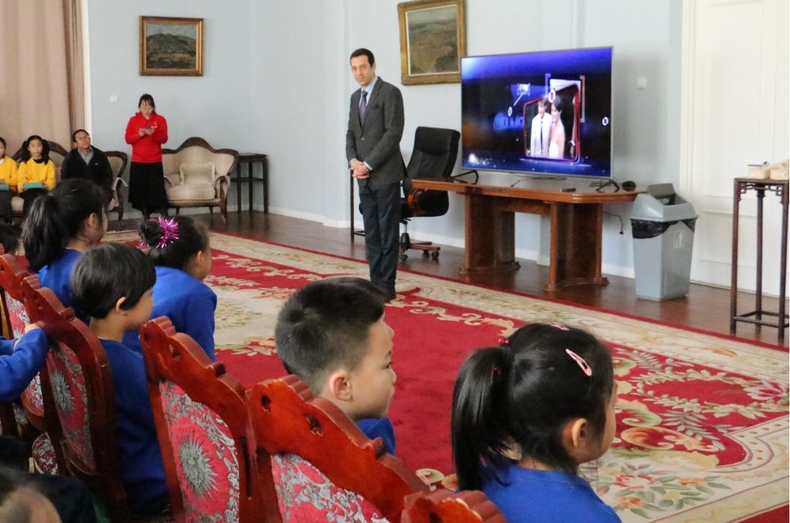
<point>576,225</point>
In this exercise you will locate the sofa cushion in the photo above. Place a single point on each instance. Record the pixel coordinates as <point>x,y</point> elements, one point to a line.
<point>191,191</point>
<point>197,173</point>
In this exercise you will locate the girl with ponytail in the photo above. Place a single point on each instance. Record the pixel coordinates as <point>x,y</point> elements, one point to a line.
<point>61,225</point>
<point>526,414</point>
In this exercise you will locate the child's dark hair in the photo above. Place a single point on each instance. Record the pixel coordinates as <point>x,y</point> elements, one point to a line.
<point>515,399</point>
<point>57,217</point>
<point>2,141</point>
<point>167,251</point>
<point>9,239</point>
<point>25,155</point>
<point>107,273</point>
<point>11,508</point>
<point>325,326</point>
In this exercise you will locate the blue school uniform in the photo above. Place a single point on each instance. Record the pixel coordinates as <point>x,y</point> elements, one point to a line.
<point>139,457</point>
<point>188,302</point>
<point>55,276</point>
<point>546,496</point>
<point>18,366</point>
<point>379,428</point>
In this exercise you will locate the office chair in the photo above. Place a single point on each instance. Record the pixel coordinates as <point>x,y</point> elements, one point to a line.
<point>435,151</point>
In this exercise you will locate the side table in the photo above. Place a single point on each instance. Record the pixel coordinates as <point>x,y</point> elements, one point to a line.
<point>250,159</point>
<point>742,185</point>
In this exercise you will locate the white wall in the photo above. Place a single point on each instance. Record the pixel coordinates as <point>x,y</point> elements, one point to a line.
<point>214,106</point>
<point>277,81</point>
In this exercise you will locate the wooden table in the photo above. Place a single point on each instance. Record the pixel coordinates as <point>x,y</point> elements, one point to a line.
<point>576,222</point>
<point>780,318</point>
<point>250,159</point>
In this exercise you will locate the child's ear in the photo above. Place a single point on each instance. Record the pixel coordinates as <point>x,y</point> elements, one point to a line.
<point>338,386</point>
<point>118,304</point>
<point>576,439</point>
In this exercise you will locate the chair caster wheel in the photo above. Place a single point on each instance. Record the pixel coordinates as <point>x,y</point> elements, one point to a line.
<point>425,254</point>
<point>435,255</point>
<point>402,257</point>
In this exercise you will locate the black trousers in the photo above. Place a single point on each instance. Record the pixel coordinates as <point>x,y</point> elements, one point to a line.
<point>380,207</point>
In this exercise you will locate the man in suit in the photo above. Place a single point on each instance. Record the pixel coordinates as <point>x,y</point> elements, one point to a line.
<point>375,127</point>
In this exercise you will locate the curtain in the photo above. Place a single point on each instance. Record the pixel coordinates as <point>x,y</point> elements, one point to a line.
<point>41,73</point>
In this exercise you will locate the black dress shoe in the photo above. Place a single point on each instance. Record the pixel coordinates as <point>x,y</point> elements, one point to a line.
<point>390,294</point>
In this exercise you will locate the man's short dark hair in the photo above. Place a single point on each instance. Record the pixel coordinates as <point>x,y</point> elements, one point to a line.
<point>325,326</point>
<point>107,273</point>
<point>364,52</point>
<point>74,134</point>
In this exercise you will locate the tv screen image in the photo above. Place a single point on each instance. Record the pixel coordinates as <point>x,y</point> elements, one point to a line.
<point>547,112</point>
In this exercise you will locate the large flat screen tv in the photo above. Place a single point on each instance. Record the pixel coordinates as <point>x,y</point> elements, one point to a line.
<point>545,113</point>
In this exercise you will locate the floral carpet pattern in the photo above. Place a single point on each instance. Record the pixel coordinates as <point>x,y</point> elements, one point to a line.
<point>702,420</point>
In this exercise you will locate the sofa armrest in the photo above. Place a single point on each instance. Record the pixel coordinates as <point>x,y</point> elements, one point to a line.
<point>173,179</point>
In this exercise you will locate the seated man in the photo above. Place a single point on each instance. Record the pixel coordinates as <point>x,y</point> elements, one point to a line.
<point>88,162</point>
<point>332,334</point>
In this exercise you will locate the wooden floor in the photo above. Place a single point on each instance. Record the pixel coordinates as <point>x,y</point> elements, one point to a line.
<point>706,308</point>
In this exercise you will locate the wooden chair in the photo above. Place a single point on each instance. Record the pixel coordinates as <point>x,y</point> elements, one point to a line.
<point>444,506</point>
<point>15,318</point>
<point>201,413</point>
<point>118,161</point>
<point>197,175</point>
<point>78,399</point>
<point>321,461</point>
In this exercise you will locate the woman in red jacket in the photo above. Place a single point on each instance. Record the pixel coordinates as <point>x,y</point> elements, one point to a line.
<point>146,132</point>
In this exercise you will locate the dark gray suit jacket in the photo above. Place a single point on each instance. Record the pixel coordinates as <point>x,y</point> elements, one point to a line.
<point>376,140</point>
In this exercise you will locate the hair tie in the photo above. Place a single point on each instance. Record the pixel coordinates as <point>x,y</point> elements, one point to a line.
<point>169,232</point>
<point>583,365</point>
<point>559,326</point>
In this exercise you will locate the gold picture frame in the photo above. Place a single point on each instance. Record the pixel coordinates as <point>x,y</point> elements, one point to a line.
<point>171,46</point>
<point>432,41</point>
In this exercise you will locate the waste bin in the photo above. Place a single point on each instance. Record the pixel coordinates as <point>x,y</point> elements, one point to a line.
<point>663,229</point>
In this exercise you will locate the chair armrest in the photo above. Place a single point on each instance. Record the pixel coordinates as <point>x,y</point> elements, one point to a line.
<point>118,181</point>
<point>222,181</point>
<point>173,179</point>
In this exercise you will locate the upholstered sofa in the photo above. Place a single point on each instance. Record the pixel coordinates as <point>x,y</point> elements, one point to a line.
<point>197,175</point>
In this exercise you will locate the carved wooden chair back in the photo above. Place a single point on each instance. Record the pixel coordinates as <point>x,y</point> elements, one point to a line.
<point>15,317</point>
<point>204,431</point>
<point>321,461</point>
<point>78,399</point>
<point>444,506</point>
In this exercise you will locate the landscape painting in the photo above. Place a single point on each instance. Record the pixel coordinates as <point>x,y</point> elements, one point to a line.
<point>432,41</point>
<point>171,46</point>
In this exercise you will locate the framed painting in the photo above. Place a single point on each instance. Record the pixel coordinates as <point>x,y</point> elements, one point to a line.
<point>432,41</point>
<point>171,46</point>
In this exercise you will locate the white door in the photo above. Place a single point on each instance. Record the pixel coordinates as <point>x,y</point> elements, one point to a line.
<point>734,105</point>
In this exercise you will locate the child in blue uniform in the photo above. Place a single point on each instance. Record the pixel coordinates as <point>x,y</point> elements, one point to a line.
<point>526,414</point>
<point>179,248</point>
<point>60,226</point>
<point>332,334</point>
<point>113,284</point>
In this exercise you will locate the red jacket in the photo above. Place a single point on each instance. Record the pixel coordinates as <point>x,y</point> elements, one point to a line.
<point>146,148</point>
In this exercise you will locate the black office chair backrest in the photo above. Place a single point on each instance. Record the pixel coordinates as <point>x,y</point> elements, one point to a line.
<point>435,151</point>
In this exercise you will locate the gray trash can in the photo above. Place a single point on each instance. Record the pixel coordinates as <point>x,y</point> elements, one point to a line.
<point>663,229</point>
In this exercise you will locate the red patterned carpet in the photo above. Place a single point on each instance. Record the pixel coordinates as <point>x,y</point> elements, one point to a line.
<point>702,419</point>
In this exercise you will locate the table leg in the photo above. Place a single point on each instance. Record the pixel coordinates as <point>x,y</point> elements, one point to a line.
<point>489,236</point>
<point>265,165</point>
<point>576,231</point>
<point>758,297</point>
<point>734,269</point>
<point>238,187</point>
<point>785,198</point>
<point>249,182</point>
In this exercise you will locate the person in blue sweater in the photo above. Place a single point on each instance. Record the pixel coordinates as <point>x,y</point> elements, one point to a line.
<point>67,498</point>
<point>526,414</point>
<point>333,335</point>
<point>180,250</point>
<point>113,283</point>
<point>61,225</point>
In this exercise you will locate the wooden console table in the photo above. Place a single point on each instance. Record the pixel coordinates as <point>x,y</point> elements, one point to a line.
<point>742,185</point>
<point>250,159</point>
<point>576,223</point>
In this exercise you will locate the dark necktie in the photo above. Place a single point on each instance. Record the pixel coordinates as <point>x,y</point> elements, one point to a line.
<point>363,105</point>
